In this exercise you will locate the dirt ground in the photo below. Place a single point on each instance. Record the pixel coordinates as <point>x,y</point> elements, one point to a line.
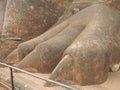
<point>30,82</point>
<point>3,87</point>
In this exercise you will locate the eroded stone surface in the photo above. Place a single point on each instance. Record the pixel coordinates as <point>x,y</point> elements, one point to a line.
<point>90,40</point>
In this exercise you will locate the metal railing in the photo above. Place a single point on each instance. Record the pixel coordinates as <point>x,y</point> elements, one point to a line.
<point>34,75</point>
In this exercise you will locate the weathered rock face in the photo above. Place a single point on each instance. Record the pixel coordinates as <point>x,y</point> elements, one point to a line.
<point>87,56</point>
<point>79,50</point>
<point>29,18</point>
<point>94,50</point>
<point>2,13</point>
<point>78,5</point>
<point>26,19</point>
<point>115,4</point>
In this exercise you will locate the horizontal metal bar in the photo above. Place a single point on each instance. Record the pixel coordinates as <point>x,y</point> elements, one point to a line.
<point>39,77</point>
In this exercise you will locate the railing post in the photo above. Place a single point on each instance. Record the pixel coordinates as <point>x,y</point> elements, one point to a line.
<point>12,81</point>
